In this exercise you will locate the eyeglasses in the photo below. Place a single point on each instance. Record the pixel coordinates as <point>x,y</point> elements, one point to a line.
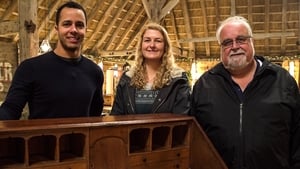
<point>228,43</point>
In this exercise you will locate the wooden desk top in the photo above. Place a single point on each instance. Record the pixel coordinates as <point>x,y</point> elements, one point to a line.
<point>79,122</point>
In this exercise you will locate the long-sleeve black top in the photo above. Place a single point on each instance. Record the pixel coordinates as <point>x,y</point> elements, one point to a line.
<point>54,87</point>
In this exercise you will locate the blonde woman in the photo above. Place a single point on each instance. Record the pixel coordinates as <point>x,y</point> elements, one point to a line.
<point>154,84</point>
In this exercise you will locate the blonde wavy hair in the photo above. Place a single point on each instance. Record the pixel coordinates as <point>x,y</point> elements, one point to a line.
<point>163,76</point>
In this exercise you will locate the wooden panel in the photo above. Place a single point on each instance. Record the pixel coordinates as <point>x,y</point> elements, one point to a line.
<point>203,154</point>
<point>108,148</point>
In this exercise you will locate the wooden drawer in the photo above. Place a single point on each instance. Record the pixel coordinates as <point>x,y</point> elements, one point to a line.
<point>182,163</point>
<point>74,165</point>
<point>160,159</point>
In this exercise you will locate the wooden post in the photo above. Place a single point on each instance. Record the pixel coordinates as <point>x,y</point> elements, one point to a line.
<point>28,34</point>
<point>158,9</point>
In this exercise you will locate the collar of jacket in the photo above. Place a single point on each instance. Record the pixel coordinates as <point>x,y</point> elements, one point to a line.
<point>176,72</point>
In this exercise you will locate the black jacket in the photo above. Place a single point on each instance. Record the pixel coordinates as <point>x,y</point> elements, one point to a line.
<point>173,98</point>
<point>261,131</point>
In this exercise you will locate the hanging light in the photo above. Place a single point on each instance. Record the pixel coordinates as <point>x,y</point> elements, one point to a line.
<point>100,64</point>
<point>292,68</point>
<point>45,45</point>
<point>194,70</point>
<point>115,70</point>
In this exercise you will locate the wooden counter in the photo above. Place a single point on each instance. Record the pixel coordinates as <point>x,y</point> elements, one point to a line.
<point>160,141</point>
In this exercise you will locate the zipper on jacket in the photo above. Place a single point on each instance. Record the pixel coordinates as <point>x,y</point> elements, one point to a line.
<point>241,120</point>
<point>161,102</point>
<point>241,142</point>
<point>130,102</point>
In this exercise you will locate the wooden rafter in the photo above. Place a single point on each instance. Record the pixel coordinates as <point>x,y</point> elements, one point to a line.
<point>27,29</point>
<point>100,24</point>
<point>156,10</point>
<point>255,35</point>
<point>45,22</point>
<point>267,24</point>
<point>13,6</point>
<point>129,30</point>
<point>298,41</point>
<point>175,29</point>
<point>188,27</point>
<point>152,8</point>
<point>217,11</point>
<point>167,8</point>
<point>232,8</point>
<point>250,11</point>
<point>135,34</point>
<point>284,24</point>
<point>205,24</point>
<point>110,27</point>
<point>276,24</point>
<point>9,27</point>
<point>122,24</point>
